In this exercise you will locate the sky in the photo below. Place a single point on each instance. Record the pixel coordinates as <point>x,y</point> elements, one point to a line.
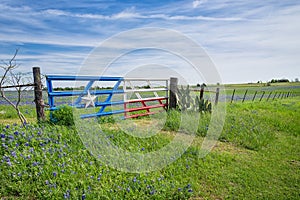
<point>246,40</point>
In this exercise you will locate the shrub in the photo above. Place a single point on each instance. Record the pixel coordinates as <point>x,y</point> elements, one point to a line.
<point>63,116</point>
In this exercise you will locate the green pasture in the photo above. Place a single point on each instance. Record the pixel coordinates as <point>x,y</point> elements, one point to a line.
<point>255,157</point>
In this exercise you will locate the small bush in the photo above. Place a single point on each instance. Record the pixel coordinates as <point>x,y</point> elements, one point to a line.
<point>63,116</point>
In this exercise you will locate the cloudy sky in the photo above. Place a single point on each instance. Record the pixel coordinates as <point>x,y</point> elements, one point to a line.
<point>247,40</point>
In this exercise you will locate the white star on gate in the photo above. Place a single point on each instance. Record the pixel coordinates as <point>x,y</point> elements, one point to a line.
<point>89,100</point>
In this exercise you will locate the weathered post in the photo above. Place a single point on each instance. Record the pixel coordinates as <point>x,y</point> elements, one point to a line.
<point>217,96</point>
<point>201,92</point>
<point>232,95</point>
<point>274,96</point>
<point>245,95</point>
<point>279,95</point>
<point>173,91</point>
<point>254,96</point>
<point>269,96</point>
<point>38,94</point>
<point>262,96</point>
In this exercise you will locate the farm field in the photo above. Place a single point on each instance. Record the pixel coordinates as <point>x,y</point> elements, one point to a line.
<point>256,157</point>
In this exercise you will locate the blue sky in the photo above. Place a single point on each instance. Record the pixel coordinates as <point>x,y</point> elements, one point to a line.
<point>248,40</point>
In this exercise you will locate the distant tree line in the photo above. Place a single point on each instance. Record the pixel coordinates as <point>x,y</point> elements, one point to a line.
<point>279,80</point>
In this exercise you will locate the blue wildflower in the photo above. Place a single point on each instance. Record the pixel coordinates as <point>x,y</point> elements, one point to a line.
<point>152,192</point>
<point>54,174</point>
<point>134,179</point>
<point>83,196</point>
<point>11,137</point>
<point>16,133</point>
<point>190,190</point>
<point>179,189</point>
<point>128,189</point>
<point>47,182</point>
<point>31,149</point>
<point>14,154</point>
<point>2,135</point>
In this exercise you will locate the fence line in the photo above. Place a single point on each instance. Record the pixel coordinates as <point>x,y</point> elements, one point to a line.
<point>252,97</point>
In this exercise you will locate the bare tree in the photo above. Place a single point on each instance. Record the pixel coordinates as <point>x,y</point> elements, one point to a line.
<point>17,81</point>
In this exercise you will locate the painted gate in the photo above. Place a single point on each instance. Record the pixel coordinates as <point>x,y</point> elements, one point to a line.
<point>134,98</point>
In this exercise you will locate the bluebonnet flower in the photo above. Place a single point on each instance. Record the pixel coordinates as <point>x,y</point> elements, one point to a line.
<point>26,144</point>
<point>47,182</point>
<point>16,133</point>
<point>9,163</point>
<point>4,146</point>
<point>35,164</point>
<point>19,174</point>
<point>134,179</point>
<point>14,154</point>
<point>128,189</point>
<point>7,126</point>
<point>17,145</point>
<point>179,189</point>
<point>83,196</point>
<point>11,137</point>
<point>54,174</point>
<point>39,133</point>
<point>67,194</point>
<point>31,149</point>
<point>143,149</point>
<point>190,190</point>
<point>2,135</point>
<point>152,192</point>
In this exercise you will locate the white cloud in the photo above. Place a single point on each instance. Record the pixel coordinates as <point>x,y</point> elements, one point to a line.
<point>197,3</point>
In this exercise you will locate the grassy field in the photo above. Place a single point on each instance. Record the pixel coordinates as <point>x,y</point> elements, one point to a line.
<point>256,157</point>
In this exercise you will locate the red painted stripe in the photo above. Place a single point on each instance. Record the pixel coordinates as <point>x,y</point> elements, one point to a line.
<point>145,107</point>
<point>146,99</point>
<point>143,114</point>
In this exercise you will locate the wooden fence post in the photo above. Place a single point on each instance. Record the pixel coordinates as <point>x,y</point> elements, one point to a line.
<point>173,91</point>
<point>254,95</point>
<point>269,96</point>
<point>245,95</point>
<point>274,96</point>
<point>201,92</point>
<point>217,96</point>
<point>38,94</point>
<point>232,95</point>
<point>262,96</point>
